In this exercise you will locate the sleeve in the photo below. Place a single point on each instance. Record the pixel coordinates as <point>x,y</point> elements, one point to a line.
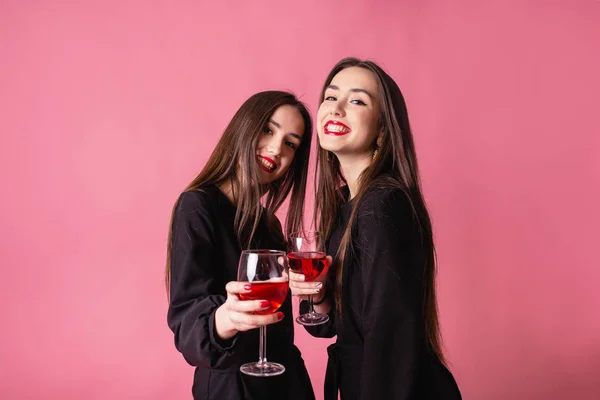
<point>195,294</point>
<point>326,330</point>
<point>392,316</point>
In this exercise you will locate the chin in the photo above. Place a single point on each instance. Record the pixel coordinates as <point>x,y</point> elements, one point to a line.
<point>267,180</point>
<point>326,144</point>
<point>329,147</point>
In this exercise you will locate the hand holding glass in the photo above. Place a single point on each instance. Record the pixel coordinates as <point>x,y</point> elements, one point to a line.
<point>266,271</point>
<point>307,256</point>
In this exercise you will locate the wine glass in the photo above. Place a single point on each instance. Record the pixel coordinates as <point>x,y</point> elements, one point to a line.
<point>266,270</point>
<point>307,256</point>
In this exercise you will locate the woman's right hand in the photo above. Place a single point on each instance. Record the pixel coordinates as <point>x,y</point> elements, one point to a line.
<point>237,315</point>
<point>315,287</point>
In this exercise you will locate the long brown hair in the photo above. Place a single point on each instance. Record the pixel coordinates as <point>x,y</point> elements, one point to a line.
<point>234,158</point>
<point>394,166</point>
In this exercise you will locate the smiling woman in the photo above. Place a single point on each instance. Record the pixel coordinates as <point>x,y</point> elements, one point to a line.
<point>264,151</point>
<point>348,118</point>
<point>380,292</point>
<point>278,143</point>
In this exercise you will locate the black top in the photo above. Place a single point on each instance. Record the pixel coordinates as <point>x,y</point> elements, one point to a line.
<point>381,350</point>
<point>204,258</point>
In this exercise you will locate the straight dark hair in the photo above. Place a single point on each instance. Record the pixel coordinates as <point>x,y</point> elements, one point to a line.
<point>394,166</point>
<point>234,158</point>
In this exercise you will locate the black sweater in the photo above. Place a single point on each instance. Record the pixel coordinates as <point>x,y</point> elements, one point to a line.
<point>205,255</point>
<point>381,350</point>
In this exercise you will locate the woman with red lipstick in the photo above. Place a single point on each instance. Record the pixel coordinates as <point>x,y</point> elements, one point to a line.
<point>380,291</point>
<point>230,206</point>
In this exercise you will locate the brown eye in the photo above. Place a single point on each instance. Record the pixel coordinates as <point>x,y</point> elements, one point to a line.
<point>291,145</point>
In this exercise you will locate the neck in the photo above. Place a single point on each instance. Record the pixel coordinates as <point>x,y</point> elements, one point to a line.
<point>352,166</point>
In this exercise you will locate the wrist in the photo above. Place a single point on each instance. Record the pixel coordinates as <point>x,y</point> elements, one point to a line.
<point>223,326</point>
<point>322,299</point>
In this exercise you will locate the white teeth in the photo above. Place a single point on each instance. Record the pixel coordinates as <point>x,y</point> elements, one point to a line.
<point>266,163</point>
<point>336,128</point>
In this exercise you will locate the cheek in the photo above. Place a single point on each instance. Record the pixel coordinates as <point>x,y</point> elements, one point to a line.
<point>321,114</point>
<point>368,121</point>
<point>320,120</point>
<point>375,122</point>
<point>259,145</point>
<point>287,162</point>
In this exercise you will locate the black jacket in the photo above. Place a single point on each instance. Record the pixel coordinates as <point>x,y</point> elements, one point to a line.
<point>381,350</point>
<point>205,255</point>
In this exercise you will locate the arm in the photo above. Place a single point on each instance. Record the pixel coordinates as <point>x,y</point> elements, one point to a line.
<point>326,330</point>
<point>195,293</point>
<point>320,290</point>
<point>392,317</point>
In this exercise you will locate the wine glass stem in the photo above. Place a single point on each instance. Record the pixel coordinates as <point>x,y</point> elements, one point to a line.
<point>311,306</point>
<point>262,348</point>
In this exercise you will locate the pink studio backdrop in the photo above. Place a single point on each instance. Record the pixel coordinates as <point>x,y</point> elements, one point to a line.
<point>107,109</point>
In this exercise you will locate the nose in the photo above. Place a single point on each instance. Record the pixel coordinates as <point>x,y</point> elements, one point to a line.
<point>274,147</point>
<point>336,109</point>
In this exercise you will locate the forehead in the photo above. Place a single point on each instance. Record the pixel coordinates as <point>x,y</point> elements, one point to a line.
<point>356,78</point>
<point>289,120</point>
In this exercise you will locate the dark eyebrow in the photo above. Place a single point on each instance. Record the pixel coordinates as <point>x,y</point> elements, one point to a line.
<point>356,90</point>
<point>290,133</point>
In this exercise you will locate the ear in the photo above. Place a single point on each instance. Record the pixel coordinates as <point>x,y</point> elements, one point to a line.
<point>381,124</point>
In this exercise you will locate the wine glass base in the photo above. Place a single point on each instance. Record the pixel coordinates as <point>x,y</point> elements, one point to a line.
<point>262,369</point>
<point>312,319</point>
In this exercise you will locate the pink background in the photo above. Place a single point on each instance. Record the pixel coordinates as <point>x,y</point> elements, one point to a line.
<point>107,110</point>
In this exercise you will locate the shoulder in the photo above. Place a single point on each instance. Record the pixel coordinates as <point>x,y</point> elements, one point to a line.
<point>382,201</point>
<point>193,217</point>
<point>195,201</point>
<point>385,212</point>
<point>195,208</point>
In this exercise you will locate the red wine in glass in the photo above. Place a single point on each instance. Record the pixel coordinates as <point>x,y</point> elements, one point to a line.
<point>308,263</point>
<point>274,292</point>
<point>306,255</point>
<point>267,272</point>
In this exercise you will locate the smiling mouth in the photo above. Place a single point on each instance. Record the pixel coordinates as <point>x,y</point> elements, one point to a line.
<point>336,128</point>
<point>266,164</point>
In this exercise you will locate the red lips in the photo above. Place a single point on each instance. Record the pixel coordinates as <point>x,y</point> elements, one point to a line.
<point>267,164</point>
<point>336,128</point>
